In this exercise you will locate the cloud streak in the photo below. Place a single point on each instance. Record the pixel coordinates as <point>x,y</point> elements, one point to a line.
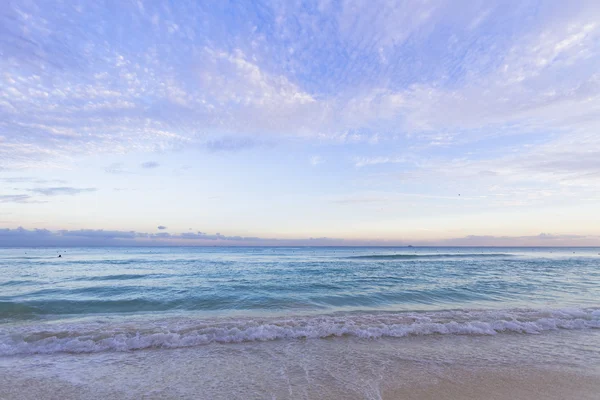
<point>28,179</point>
<point>150,165</point>
<point>61,191</point>
<point>229,143</point>
<point>15,198</point>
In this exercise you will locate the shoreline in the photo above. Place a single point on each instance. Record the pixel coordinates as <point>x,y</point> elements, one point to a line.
<point>439,383</point>
<point>555,365</point>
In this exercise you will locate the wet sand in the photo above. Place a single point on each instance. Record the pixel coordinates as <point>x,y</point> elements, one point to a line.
<point>559,365</point>
<point>499,384</point>
<point>502,384</point>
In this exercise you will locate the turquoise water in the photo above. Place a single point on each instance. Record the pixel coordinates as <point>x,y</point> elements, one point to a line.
<point>115,299</point>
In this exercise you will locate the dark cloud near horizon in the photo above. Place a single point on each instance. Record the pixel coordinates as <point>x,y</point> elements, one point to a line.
<point>161,227</point>
<point>21,237</point>
<point>99,237</point>
<point>543,239</point>
<point>99,233</point>
<point>554,237</point>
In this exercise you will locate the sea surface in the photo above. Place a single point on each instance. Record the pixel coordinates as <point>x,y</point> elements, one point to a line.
<point>245,311</point>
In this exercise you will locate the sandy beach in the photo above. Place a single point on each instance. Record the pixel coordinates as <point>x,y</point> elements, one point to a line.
<point>500,384</point>
<point>559,365</point>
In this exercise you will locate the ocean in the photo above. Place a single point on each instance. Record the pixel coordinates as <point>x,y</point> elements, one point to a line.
<point>306,322</point>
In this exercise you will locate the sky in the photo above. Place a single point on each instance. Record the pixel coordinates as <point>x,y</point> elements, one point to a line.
<point>300,122</point>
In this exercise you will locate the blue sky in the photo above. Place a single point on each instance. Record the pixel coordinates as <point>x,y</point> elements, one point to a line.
<point>348,122</point>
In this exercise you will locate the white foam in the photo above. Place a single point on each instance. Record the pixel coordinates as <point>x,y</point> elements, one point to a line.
<point>91,337</point>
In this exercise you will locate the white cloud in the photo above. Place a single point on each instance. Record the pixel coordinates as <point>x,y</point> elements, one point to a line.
<point>316,160</point>
<point>375,78</point>
<point>366,161</point>
<point>233,77</point>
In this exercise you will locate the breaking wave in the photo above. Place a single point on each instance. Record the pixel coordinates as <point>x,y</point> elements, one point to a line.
<point>107,336</point>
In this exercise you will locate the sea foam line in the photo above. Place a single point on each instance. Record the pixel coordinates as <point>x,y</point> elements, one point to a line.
<point>178,333</point>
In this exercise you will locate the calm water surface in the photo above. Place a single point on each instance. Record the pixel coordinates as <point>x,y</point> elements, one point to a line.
<point>106,299</point>
<point>279,323</point>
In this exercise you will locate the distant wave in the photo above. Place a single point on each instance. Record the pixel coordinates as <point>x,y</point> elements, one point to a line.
<point>413,256</point>
<point>116,299</point>
<point>91,337</point>
<point>17,282</point>
<point>121,277</point>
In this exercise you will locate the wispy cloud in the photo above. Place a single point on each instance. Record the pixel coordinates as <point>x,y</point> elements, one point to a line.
<point>28,179</point>
<point>15,198</point>
<point>359,77</point>
<point>230,143</point>
<point>366,161</point>
<point>361,200</point>
<point>115,168</point>
<point>150,164</point>
<point>316,160</point>
<point>36,192</point>
<point>61,191</point>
